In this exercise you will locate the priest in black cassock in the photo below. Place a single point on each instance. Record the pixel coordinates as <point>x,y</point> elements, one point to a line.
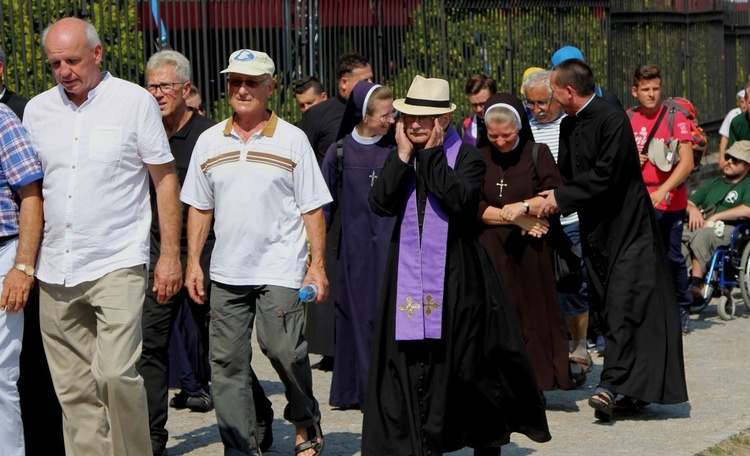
<point>628,272</point>
<point>449,368</point>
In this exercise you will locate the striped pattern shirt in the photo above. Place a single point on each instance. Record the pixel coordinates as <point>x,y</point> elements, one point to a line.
<point>547,133</point>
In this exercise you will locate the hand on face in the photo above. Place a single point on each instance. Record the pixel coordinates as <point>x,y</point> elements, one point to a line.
<point>405,146</point>
<point>436,136</point>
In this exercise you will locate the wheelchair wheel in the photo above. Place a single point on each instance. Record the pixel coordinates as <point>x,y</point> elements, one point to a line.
<point>745,275</point>
<point>725,306</point>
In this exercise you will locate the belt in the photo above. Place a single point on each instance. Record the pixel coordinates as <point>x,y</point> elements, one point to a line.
<point>5,239</point>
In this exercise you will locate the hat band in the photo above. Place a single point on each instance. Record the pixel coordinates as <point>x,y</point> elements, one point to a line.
<point>428,103</point>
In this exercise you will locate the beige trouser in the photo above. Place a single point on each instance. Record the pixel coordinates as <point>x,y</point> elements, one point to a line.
<point>92,338</point>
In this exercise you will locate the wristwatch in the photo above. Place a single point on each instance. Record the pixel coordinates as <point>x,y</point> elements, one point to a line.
<point>526,207</point>
<point>25,268</point>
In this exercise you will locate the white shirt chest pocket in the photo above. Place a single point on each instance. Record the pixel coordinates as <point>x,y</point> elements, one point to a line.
<point>105,144</point>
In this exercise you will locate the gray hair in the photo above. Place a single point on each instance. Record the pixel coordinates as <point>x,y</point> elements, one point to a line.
<point>502,115</point>
<point>536,79</point>
<point>92,37</point>
<point>179,62</point>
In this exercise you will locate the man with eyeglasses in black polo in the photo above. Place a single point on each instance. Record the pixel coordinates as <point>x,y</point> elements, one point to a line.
<point>728,198</point>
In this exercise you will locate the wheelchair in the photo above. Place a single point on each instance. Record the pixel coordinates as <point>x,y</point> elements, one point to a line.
<point>729,268</point>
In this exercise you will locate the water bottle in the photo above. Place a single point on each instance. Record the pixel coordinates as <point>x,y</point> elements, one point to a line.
<point>308,293</point>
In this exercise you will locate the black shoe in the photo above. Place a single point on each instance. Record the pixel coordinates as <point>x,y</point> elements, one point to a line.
<point>179,401</point>
<point>325,364</point>
<point>201,404</point>
<point>264,431</point>
<point>163,452</point>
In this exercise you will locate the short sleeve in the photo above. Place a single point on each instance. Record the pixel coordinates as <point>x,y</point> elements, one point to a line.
<point>197,190</point>
<point>153,145</point>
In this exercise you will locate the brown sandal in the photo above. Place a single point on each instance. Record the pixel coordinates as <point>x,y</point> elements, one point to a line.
<point>587,364</point>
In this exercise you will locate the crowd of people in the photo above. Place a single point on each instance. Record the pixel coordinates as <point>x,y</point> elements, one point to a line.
<point>160,239</point>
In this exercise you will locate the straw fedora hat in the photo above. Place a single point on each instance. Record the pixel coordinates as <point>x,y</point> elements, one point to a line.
<point>426,97</point>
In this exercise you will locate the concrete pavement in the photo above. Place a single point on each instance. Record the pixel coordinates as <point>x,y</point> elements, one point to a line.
<point>718,375</point>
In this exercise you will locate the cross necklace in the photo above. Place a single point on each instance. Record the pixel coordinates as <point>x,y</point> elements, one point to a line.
<point>502,183</point>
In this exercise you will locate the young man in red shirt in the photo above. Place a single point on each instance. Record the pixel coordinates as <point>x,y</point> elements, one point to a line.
<point>664,179</point>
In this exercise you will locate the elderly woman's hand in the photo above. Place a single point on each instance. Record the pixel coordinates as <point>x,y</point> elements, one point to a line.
<point>533,226</point>
<point>511,212</point>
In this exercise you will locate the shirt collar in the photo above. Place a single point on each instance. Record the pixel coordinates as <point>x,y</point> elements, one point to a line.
<point>267,131</point>
<point>92,93</point>
<point>593,95</point>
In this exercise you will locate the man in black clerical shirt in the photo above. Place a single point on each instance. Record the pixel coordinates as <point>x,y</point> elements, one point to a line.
<point>602,182</point>
<point>321,122</point>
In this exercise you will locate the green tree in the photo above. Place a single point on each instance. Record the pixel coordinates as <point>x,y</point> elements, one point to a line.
<point>27,71</point>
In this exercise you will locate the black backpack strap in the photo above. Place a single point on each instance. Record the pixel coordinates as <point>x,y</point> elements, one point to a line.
<point>535,153</point>
<point>340,160</point>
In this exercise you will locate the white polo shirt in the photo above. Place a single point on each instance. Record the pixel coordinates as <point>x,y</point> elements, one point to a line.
<point>97,212</point>
<point>258,191</point>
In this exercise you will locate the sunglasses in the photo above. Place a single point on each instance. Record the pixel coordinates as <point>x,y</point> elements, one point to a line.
<point>236,83</point>
<point>728,157</point>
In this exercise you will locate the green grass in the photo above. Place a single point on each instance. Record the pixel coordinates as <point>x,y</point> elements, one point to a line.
<point>736,445</point>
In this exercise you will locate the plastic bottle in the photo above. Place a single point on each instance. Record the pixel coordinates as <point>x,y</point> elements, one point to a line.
<point>308,293</point>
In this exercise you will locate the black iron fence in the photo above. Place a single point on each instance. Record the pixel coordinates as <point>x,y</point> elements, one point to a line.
<point>702,46</point>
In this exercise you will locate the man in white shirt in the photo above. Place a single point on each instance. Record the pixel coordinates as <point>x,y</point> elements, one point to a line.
<point>98,138</point>
<point>724,129</point>
<point>257,176</point>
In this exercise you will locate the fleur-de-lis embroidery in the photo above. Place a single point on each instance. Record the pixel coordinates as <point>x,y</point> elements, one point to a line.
<point>409,307</point>
<point>429,304</point>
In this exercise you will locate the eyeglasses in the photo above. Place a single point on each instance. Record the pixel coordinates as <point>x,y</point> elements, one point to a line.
<point>236,83</point>
<point>165,87</point>
<point>542,104</point>
<point>387,117</point>
<point>728,157</point>
<point>410,119</point>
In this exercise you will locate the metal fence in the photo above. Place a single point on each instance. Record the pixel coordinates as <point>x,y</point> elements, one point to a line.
<point>702,46</point>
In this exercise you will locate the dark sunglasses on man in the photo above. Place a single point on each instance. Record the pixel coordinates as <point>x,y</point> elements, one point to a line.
<point>728,157</point>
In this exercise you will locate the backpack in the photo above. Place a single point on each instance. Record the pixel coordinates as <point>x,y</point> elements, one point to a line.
<point>684,106</point>
<point>700,140</point>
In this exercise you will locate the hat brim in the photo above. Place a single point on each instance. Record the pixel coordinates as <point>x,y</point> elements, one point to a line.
<point>738,155</point>
<point>658,156</point>
<point>240,70</point>
<point>401,106</point>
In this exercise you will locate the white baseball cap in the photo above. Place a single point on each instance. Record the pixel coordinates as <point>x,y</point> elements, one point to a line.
<point>251,63</point>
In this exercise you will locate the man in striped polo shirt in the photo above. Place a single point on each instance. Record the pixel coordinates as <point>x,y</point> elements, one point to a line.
<point>256,174</point>
<point>547,114</point>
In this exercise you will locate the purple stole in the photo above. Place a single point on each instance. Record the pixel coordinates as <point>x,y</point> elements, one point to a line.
<point>421,268</point>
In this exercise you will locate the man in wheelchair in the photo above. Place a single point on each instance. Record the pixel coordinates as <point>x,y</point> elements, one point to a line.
<point>723,200</point>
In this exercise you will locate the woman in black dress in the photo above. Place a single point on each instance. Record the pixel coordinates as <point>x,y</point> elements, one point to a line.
<point>511,234</point>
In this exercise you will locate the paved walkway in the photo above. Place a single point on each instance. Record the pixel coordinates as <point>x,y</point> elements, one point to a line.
<point>718,374</point>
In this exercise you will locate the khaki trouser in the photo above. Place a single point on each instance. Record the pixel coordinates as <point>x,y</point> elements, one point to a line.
<point>92,338</point>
